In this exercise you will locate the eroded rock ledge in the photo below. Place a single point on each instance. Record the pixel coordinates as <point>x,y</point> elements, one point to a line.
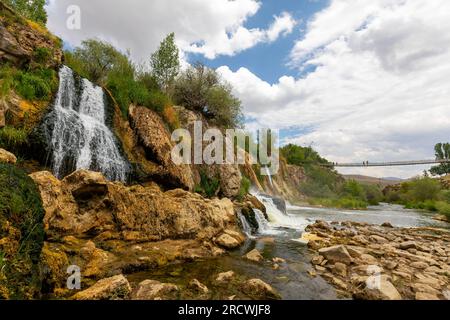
<point>107,228</point>
<point>382,262</point>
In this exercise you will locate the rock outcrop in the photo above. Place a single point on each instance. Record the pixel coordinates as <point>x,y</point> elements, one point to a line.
<point>19,39</point>
<point>229,175</point>
<point>7,157</point>
<point>108,228</point>
<point>152,148</point>
<point>113,288</point>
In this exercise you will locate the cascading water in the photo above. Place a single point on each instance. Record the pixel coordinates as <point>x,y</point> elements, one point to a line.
<point>269,175</point>
<point>277,218</point>
<point>245,225</point>
<point>80,138</point>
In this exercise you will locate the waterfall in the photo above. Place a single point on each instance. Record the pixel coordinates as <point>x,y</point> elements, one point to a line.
<point>277,218</point>
<point>80,138</point>
<point>245,225</point>
<point>269,175</point>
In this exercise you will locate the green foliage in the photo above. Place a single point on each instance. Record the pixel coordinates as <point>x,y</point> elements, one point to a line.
<point>300,156</point>
<point>42,55</point>
<point>422,189</point>
<point>6,80</point>
<point>321,182</point>
<point>201,89</point>
<point>442,152</point>
<point>443,207</point>
<point>21,207</point>
<point>422,193</point>
<point>165,63</point>
<point>101,63</point>
<point>37,84</point>
<point>353,189</point>
<point>95,59</point>
<point>342,203</point>
<point>373,194</point>
<point>245,187</point>
<point>12,139</point>
<point>209,186</point>
<point>31,9</point>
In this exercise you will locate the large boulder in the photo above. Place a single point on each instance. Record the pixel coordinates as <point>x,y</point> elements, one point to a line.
<point>155,290</point>
<point>258,289</point>
<point>337,253</point>
<point>7,157</point>
<point>155,140</point>
<point>113,288</point>
<point>254,255</point>
<point>85,204</point>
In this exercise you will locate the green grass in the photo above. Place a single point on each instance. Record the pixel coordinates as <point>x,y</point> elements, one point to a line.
<point>340,203</point>
<point>208,186</point>
<point>245,188</point>
<point>21,208</point>
<point>13,139</point>
<point>36,85</point>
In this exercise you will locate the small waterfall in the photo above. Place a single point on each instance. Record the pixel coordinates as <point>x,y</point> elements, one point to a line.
<point>245,225</point>
<point>263,224</point>
<point>80,138</point>
<point>277,218</point>
<point>268,175</point>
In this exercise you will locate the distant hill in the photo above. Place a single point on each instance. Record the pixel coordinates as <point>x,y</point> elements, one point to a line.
<point>383,182</point>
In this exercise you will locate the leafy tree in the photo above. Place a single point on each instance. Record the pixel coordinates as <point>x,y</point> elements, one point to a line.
<point>201,89</point>
<point>165,63</point>
<point>31,9</point>
<point>95,59</point>
<point>299,156</point>
<point>442,151</point>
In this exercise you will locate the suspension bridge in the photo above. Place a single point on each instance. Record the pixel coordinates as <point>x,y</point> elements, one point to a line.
<point>365,164</point>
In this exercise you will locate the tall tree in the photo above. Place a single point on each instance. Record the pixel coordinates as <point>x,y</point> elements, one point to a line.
<point>31,9</point>
<point>442,152</point>
<point>165,63</point>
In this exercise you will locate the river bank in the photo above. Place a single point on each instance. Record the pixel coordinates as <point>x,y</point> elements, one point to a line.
<point>366,261</point>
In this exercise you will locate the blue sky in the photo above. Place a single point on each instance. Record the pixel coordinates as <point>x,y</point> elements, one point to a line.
<point>269,60</point>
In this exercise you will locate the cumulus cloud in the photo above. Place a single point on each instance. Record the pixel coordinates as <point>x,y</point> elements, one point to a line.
<point>379,89</point>
<point>210,28</point>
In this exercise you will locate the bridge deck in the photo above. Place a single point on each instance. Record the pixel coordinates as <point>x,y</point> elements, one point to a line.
<point>386,164</point>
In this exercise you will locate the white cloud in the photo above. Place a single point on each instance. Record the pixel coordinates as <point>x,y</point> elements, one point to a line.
<point>211,28</point>
<point>380,90</point>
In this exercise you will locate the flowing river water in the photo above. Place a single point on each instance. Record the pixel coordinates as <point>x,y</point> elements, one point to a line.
<point>276,238</point>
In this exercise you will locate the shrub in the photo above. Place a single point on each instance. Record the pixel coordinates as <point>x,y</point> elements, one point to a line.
<point>12,139</point>
<point>208,185</point>
<point>353,189</point>
<point>245,187</point>
<point>201,89</point>
<point>171,117</point>
<point>6,80</point>
<point>158,101</point>
<point>36,85</point>
<point>373,194</point>
<point>42,55</point>
<point>21,207</point>
<point>423,189</point>
<point>443,208</point>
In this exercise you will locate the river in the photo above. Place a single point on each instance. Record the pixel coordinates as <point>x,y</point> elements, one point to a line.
<point>275,239</point>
